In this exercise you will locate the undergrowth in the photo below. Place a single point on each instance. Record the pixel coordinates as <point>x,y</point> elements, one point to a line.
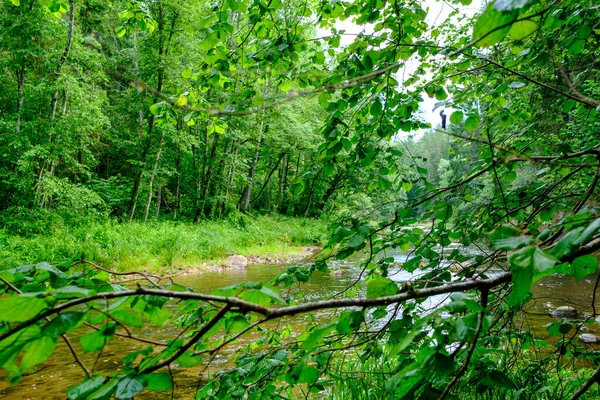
<point>156,246</point>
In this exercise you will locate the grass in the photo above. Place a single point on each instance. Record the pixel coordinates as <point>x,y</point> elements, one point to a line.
<point>161,246</point>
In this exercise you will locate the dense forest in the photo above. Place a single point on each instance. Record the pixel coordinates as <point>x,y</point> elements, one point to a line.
<point>166,132</point>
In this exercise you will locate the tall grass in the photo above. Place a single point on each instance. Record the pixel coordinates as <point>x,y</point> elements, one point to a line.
<point>161,245</point>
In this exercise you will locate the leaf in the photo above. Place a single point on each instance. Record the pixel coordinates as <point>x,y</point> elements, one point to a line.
<point>105,391</point>
<point>472,123</point>
<point>159,382</point>
<point>20,308</point>
<point>588,233</point>
<point>285,86</point>
<point>297,187</point>
<point>493,25</point>
<point>16,2</point>
<point>379,286</point>
<point>440,94</point>
<point>64,323</point>
<point>37,351</point>
<point>456,117</point>
<point>376,108</point>
<point>442,210</point>
<point>350,321</point>
<point>503,238</point>
<point>576,47</point>
<point>128,388</point>
<point>95,341</point>
<point>384,183</point>
<point>317,336</point>
<point>522,29</point>
<point>308,375</point>
<point>89,385</point>
<point>128,318</point>
<point>583,266</point>
<point>527,265</point>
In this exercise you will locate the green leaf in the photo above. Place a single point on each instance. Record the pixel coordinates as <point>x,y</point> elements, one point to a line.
<point>492,26</point>
<point>440,94</point>
<point>88,386</point>
<point>583,266</point>
<point>16,2</point>
<point>527,265</point>
<point>309,375</point>
<point>588,233</point>
<point>95,341</point>
<point>576,47</point>
<point>350,321</point>
<point>384,183</point>
<point>317,336</point>
<point>159,382</point>
<point>522,29</point>
<point>128,318</point>
<point>442,210</point>
<point>513,243</point>
<point>128,388</point>
<point>297,187</point>
<point>19,308</point>
<point>472,123</point>
<point>64,323</point>
<point>376,108</point>
<point>379,286</point>
<point>105,391</point>
<point>456,117</point>
<point>37,351</point>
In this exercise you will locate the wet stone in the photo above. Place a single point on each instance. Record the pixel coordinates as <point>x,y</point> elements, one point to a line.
<point>564,312</point>
<point>589,338</point>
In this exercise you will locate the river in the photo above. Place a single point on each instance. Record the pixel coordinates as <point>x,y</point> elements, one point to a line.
<point>60,372</point>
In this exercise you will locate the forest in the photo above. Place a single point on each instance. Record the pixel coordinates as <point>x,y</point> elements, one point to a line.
<point>440,160</point>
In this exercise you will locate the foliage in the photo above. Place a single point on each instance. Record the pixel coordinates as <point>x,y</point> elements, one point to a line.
<point>201,109</point>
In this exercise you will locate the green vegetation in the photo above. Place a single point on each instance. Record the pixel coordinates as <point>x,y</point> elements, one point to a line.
<point>163,246</point>
<point>150,134</point>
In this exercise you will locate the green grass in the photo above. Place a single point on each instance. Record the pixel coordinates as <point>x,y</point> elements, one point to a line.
<point>161,246</point>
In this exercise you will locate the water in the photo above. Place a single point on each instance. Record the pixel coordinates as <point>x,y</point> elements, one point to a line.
<point>58,373</point>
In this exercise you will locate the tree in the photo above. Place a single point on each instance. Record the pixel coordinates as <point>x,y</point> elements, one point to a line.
<point>521,78</point>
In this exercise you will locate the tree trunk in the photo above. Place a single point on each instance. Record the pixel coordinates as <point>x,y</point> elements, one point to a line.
<point>20,84</point>
<point>204,192</point>
<point>158,201</point>
<point>153,174</point>
<point>251,173</point>
<point>177,185</point>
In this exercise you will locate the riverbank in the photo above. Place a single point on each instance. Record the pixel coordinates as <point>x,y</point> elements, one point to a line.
<point>167,247</point>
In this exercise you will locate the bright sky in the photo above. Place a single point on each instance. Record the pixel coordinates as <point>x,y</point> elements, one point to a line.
<point>438,12</point>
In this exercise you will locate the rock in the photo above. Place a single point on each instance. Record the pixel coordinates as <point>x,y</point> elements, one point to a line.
<point>589,338</point>
<point>338,272</point>
<point>564,312</point>
<point>236,261</point>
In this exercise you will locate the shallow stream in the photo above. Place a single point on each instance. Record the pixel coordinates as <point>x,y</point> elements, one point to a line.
<point>60,372</point>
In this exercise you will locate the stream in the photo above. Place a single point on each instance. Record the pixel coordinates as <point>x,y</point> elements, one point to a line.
<point>60,372</point>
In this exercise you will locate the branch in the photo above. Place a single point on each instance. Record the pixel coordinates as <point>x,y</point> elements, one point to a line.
<point>190,342</point>
<point>242,305</point>
<point>593,379</point>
